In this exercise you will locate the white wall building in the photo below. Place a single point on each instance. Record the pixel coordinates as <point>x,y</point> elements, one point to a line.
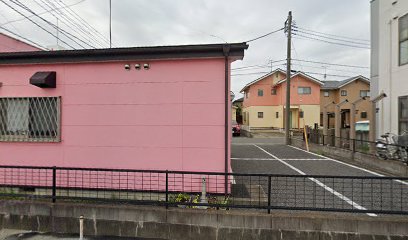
<point>389,63</point>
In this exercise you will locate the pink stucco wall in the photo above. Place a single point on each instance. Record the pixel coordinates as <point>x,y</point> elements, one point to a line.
<point>298,99</point>
<point>9,44</point>
<point>169,117</point>
<point>280,98</point>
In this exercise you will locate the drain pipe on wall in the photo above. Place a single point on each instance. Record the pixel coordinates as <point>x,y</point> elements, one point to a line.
<point>226,50</point>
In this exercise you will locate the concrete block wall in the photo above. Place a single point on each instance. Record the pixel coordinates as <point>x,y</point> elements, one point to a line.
<point>180,224</point>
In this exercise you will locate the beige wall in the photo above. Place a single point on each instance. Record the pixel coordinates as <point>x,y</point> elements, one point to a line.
<point>353,94</point>
<point>333,97</point>
<point>311,116</point>
<point>234,113</point>
<point>269,116</point>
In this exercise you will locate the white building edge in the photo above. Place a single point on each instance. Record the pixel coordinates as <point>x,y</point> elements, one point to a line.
<point>389,63</point>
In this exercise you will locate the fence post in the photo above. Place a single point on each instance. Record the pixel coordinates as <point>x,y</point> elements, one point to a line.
<point>269,193</point>
<point>167,189</point>
<point>354,145</point>
<point>54,184</point>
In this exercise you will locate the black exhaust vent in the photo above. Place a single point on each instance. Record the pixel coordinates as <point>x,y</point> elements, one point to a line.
<point>44,79</point>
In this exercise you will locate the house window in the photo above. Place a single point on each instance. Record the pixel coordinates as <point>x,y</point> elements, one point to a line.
<point>363,114</point>
<point>343,92</point>
<point>260,92</point>
<point>244,117</point>
<point>260,114</point>
<point>277,114</point>
<point>326,93</point>
<point>403,40</point>
<point>403,114</point>
<point>246,94</point>
<point>364,93</point>
<point>35,119</point>
<point>301,114</point>
<point>304,90</point>
<point>273,91</point>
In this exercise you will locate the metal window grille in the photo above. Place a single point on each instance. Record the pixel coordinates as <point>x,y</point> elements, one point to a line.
<point>30,119</point>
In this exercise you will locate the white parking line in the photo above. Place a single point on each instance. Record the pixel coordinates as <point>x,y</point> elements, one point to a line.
<point>349,165</point>
<point>285,159</point>
<point>259,159</point>
<point>250,144</point>
<point>327,188</point>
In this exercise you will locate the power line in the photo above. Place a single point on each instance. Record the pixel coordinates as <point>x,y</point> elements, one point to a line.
<point>316,73</point>
<point>41,13</point>
<point>330,42</point>
<point>258,65</point>
<point>35,23</point>
<point>83,24</point>
<point>65,33</point>
<point>331,75</point>
<point>1,14</point>
<point>69,20</point>
<point>244,74</point>
<point>330,69</point>
<point>297,55</point>
<point>333,35</point>
<point>82,20</point>
<point>332,38</point>
<point>332,64</point>
<point>265,35</point>
<point>25,39</point>
<point>302,67</point>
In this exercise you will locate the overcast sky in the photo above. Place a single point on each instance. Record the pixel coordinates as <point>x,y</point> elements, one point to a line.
<point>164,22</point>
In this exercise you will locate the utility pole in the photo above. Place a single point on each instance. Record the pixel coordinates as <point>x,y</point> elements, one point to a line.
<point>288,65</point>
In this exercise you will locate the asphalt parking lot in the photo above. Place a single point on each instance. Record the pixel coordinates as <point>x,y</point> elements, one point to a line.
<point>271,156</point>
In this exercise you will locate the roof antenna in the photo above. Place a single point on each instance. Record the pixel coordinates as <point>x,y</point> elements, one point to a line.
<point>325,72</point>
<point>110,23</point>
<point>57,35</point>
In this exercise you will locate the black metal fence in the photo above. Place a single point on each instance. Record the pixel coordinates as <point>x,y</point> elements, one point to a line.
<point>355,145</point>
<point>372,195</point>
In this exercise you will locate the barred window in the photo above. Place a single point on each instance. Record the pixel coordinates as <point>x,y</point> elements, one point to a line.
<point>30,119</point>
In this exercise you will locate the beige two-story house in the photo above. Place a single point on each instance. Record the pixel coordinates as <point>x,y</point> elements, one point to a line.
<point>351,89</point>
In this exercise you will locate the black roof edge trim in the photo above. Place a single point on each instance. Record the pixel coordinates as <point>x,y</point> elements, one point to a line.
<point>119,54</point>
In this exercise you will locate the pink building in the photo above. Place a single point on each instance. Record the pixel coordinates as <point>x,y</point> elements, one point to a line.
<point>162,108</point>
<point>10,44</point>
<point>265,101</point>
